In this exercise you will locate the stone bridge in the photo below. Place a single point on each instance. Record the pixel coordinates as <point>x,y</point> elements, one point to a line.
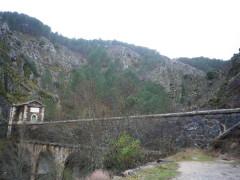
<point>56,161</point>
<point>66,145</point>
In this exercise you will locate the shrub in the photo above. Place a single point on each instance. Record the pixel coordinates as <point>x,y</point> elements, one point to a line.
<point>124,152</point>
<point>211,75</point>
<point>29,67</point>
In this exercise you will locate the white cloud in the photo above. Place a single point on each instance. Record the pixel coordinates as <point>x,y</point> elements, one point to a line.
<point>174,27</point>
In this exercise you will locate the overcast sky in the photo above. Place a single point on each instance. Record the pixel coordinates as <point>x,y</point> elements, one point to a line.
<point>175,28</point>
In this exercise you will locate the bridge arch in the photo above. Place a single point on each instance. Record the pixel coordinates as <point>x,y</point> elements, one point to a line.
<point>45,166</point>
<point>77,166</point>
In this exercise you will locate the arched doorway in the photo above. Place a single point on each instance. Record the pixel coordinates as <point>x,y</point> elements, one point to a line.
<point>77,166</point>
<point>46,168</point>
<point>34,118</point>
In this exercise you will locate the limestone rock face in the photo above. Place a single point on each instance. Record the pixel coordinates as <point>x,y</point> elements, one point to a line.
<point>43,51</point>
<point>126,56</point>
<point>4,29</point>
<point>173,73</point>
<point>180,80</point>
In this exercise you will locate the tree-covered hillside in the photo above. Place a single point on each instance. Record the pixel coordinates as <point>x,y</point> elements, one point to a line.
<point>94,78</point>
<point>228,95</point>
<point>98,86</point>
<point>205,64</point>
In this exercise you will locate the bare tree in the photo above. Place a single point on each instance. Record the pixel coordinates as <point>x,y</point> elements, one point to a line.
<point>15,161</point>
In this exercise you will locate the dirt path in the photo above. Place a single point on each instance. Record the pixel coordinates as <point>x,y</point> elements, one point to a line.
<point>216,170</point>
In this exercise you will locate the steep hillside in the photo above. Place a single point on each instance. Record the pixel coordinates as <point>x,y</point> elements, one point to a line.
<point>228,95</point>
<point>80,78</point>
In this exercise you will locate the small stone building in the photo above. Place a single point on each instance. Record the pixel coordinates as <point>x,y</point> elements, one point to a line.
<point>27,112</point>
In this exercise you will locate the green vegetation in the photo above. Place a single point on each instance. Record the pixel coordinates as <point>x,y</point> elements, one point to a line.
<point>2,89</point>
<point>161,172</point>
<point>52,112</point>
<point>124,153</point>
<point>102,89</point>
<point>47,82</point>
<point>3,47</point>
<point>29,67</point>
<point>14,87</point>
<point>215,101</point>
<point>50,102</point>
<point>235,65</point>
<point>212,75</point>
<point>152,98</point>
<point>111,92</point>
<point>205,64</point>
<point>25,24</point>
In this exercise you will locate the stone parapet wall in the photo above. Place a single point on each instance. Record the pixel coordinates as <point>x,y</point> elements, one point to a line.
<point>179,114</point>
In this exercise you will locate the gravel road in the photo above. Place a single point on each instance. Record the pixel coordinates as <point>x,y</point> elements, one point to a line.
<point>216,170</point>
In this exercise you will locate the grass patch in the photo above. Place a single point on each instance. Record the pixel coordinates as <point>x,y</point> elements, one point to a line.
<point>192,155</point>
<point>161,172</point>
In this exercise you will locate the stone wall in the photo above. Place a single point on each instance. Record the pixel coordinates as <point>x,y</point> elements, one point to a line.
<point>163,132</point>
